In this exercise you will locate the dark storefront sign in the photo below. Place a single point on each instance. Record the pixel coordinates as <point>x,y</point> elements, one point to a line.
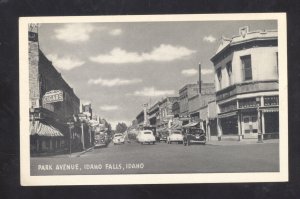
<point>53,96</point>
<point>271,100</point>
<point>247,103</point>
<point>231,106</point>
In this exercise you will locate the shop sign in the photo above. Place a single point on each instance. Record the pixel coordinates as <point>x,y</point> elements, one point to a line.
<point>81,116</point>
<point>53,96</point>
<point>231,106</point>
<point>271,100</point>
<point>248,103</point>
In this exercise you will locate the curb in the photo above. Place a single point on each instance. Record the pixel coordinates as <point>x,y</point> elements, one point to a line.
<point>85,151</point>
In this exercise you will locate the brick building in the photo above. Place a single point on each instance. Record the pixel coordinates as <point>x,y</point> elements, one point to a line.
<point>53,102</point>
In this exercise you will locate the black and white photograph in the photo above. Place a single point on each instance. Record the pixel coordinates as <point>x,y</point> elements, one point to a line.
<point>157,99</point>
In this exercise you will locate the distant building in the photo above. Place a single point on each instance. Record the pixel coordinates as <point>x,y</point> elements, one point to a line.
<point>87,110</point>
<point>185,93</point>
<point>165,111</point>
<point>246,80</point>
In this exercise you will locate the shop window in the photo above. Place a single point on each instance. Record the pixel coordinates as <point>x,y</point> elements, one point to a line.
<point>229,72</point>
<point>277,63</point>
<point>247,68</point>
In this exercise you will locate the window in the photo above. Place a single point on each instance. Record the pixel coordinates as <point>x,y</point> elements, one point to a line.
<point>277,63</point>
<point>219,74</point>
<point>247,68</point>
<point>229,71</point>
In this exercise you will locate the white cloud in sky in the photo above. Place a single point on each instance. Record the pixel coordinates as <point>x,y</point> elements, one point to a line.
<point>65,62</point>
<point>209,38</point>
<point>74,33</point>
<point>109,107</point>
<point>163,53</point>
<point>113,82</point>
<point>153,92</point>
<point>189,72</point>
<point>115,32</point>
<point>206,71</point>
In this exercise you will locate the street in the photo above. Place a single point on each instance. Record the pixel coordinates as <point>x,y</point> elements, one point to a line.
<point>162,158</point>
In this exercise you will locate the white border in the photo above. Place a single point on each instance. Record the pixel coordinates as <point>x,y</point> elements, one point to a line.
<point>27,180</point>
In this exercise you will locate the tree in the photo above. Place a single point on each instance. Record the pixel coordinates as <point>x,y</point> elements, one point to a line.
<point>121,127</point>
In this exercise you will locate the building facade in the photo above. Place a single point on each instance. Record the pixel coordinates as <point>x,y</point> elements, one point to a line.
<point>246,80</point>
<point>166,114</point>
<point>53,102</point>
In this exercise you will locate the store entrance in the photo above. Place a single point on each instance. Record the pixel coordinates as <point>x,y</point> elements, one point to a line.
<point>250,124</point>
<point>230,125</point>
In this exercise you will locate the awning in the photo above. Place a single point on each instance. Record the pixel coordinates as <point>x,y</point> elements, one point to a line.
<point>42,129</point>
<point>192,124</point>
<point>176,126</point>
<point>230,114</point>
<point>270,110</point>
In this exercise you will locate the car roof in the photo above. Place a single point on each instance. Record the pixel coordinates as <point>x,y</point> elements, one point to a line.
<point>143,131</point>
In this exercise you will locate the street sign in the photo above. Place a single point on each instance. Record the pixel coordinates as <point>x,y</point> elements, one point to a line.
<point>53,96</point>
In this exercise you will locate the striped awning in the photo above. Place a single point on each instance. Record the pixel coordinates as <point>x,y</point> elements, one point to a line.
<point>42,129</point>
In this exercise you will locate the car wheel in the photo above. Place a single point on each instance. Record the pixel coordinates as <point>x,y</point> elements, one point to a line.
<point>153,143</point>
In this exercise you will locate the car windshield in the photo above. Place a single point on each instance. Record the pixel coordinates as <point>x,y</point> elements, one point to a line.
<point>118,135</point>
<point>147,133</point>
<point>196,131</point>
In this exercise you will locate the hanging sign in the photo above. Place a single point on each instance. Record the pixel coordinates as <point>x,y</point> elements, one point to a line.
<point>53,96</point>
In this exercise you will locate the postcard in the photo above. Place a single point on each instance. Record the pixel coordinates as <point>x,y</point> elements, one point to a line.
<point>153,99</point>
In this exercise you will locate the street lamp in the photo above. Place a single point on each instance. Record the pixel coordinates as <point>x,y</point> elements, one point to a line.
<point>259,136</point>
<point>71,125</point>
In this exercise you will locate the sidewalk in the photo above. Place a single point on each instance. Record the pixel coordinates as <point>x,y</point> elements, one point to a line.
<point>242,142</point>
<point>73,155</point>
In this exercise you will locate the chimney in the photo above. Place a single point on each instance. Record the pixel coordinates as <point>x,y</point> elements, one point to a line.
<point>200,81</point>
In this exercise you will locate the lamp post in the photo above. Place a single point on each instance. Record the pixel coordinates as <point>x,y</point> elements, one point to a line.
<point>259,135</point>
<point>71,125</point>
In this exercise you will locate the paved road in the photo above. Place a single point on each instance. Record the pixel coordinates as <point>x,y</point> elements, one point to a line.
<point>134,158</point>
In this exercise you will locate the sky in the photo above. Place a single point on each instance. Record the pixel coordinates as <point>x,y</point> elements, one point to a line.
<point>119,66</point>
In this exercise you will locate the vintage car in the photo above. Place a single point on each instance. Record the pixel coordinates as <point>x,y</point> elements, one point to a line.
<point>163,137</point>
<point>175,136</point>
<point>118,138</point>
<point>194,135</point>
<point>99,139</point>
<point>146,136</point>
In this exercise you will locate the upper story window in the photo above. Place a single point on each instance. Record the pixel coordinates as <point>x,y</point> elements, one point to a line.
<point>247,68</point>
<point>277,63</point>
<point>229,72</point>
<point>219,74</point>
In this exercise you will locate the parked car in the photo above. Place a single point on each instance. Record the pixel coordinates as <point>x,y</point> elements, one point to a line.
<point>163,137</point>
<point>146,136</point>
<point>118,138</point>
<point>99,139</point>
<point>194,135</point>
<point>175,136</point>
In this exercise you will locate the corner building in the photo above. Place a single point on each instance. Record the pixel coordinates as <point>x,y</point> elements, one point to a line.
<point>246,81</point>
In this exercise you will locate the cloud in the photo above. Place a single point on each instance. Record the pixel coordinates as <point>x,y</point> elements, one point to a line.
<point>163,53</point>
<point>189,72</point>
<point>206,71</point>
<point>209,38</point>
<point>115,32</point>
<point>153,92</point>
<point>74,33</point>
<point>113,82</point>
<point>66,62</point>
<point>109,107</point>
